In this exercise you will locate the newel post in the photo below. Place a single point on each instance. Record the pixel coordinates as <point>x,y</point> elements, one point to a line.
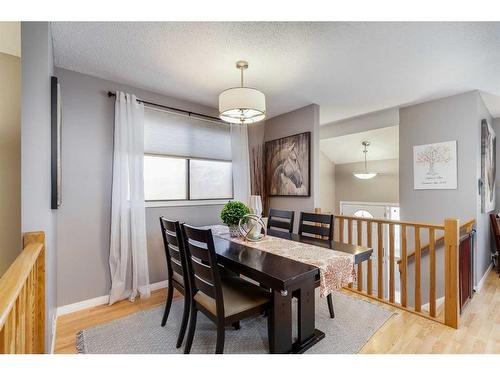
<point>451,281</point>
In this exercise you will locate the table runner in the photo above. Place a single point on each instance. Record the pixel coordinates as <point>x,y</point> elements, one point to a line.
<point>336,268</point>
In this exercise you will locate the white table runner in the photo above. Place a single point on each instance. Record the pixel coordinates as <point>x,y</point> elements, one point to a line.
<point>336,268</point>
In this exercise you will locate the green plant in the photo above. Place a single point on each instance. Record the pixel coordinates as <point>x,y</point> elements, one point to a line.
<point>232,212</point>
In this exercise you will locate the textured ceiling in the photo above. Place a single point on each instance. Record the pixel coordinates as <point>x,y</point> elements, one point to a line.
<point>384,144</point>
<point>346,68</point>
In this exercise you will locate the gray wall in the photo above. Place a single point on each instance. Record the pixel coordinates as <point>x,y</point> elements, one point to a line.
<point>84,218</point>
<point>358,124</point>
<point>327,183</point>
<point>453,118</point>
<point>10,160</point>
<point>36,215</point>
<point>294,122</point>
<point>382,188</point>
<point>483,238</point>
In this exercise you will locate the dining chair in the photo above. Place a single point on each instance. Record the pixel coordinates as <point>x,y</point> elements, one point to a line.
<point>224,300</point>
<point>177,272</point>
<point>280,219</point>
<point>318,225</point>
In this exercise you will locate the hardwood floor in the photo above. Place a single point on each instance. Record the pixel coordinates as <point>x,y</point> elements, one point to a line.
<point>479,330</point>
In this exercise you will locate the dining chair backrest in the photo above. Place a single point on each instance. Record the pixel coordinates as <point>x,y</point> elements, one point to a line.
<point>280,219</point>
<point>316,225</point>
<point>202,264</point>
<point>174,249</point>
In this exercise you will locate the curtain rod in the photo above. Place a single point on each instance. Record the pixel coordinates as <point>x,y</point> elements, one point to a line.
<point>189,113</point>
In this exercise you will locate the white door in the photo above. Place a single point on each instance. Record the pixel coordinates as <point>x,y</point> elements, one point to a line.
<point>377,211</point>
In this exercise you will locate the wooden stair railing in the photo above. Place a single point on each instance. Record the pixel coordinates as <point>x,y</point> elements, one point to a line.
<point>465,228</point>
<point>381,233</point>
<point>22,300</point>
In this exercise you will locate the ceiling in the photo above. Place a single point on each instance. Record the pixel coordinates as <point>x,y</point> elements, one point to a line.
<point>384,144</point>
<point>10,38</point>
<point>347,68</point>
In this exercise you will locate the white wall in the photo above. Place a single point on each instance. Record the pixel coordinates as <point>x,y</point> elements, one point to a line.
<point>382,188</point>
<point>36,215</point>
<point>298,121</point>
<point>326,183</point>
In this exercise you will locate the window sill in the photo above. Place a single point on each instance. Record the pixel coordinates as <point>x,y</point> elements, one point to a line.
<point>208,202</point>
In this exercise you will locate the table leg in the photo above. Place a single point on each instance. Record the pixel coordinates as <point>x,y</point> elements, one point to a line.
<point>306,311</point>
<point>280,320</point>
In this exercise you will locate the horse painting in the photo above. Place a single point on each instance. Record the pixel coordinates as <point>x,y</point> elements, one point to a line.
<point>287,165</point>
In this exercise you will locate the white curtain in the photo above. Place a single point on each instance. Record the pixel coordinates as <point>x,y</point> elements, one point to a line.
<point>241,162</point>
<point>128,248</point>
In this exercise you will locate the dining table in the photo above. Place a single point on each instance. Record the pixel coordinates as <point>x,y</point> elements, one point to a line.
<point>286,278</point>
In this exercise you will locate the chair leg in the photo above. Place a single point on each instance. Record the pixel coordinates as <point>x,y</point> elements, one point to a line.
<point>236,325</point>
<point>170,295</point>
<point>221,332</point>
<point>192,327</point>
<point>330,305</point>
<point>185,317</point>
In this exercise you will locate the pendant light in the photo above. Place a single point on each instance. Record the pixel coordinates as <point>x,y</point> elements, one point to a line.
<point>242,105</point>
<point>365,175</point>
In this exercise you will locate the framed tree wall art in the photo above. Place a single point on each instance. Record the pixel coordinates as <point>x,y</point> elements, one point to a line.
<point>288,166</point>
<point>435,166</point>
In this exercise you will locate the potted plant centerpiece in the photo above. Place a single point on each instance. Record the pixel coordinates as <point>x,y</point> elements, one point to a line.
<point>231,214</point>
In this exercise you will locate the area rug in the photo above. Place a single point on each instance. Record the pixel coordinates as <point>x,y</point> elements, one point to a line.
<point>141,333</point>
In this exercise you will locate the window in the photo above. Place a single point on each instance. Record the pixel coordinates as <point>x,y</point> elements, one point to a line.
<point>363,213</point>
<point>185,158</point>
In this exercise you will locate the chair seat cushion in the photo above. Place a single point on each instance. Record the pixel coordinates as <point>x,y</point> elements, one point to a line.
<point>239,295</point>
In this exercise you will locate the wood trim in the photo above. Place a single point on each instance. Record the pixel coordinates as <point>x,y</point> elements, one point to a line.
<point>395,222</point>
<point>380,261</point>
<point>418,300</point>
<point>432,273</point>
<point>451,304</point>
<point>467,227</point>
<point>22,301</point>
<point>404,267</point>
<point>369,273</point>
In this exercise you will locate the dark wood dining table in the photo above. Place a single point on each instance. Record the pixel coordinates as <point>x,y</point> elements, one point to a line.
<point>285,277</point>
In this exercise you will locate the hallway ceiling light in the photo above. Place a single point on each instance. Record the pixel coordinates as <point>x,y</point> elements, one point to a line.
<point>242,105</point>
<point>365,175</point>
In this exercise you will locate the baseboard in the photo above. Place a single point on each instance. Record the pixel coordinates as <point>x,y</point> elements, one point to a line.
<point>439,303</point>
<point>480,284</point>
<point>98,301</point>
<point>53,338</point>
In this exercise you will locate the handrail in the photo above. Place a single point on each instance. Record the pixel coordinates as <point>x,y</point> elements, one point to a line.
<point>22,299</point>
<point>467,226</point>
<point>395,222</point>
<point>15,277</point>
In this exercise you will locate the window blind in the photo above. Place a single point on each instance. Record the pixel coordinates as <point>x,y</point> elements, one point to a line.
<point>176,135</point>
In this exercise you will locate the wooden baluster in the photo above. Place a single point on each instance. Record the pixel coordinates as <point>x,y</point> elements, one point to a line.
<point>359,228</point>
<point>2,341</point>
<point>341,229</point>
<point>404,268</point>
<point>380,261</point>
<point>451,242</point>
<point>30,307</point>
<point>432,273</point>
<point>10,331</point>
<point>369,266</point>
<point>349,231</point>
<point>391,263</point>
<point>40,303</point>
<point>418,302</point>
